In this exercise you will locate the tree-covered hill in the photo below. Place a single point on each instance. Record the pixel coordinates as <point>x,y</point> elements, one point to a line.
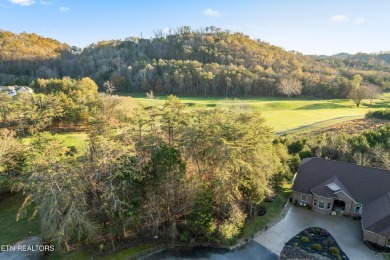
<point>24,56</point>
<point>187,62</point>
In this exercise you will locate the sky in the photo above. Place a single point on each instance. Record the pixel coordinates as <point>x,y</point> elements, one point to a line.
<point>308,26</point>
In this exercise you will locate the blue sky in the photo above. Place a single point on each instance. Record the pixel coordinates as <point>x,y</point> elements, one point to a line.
<point>308,26</point>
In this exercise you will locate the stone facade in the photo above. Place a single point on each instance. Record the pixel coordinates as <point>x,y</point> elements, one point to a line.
<point>297,196</point>
<point>322,205</point>
<point>348,201</point>
<point>375,238</point>
<point>325,205</point>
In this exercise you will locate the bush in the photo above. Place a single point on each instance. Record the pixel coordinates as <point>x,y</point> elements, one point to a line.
<point>295,244</point>
<point>305,239</point>
<point>261,211</point>
<point>317,247</point>
<point>324,233</point>
<point>308,206</point>
<point>334,250</point>
<point>328,241</point>
<point>381,114</point>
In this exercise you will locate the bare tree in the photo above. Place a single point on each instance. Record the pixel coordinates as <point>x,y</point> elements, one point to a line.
<point>373,91</point>
<point>109,87</point>
<point>290,87</point>
<point>357,94</point>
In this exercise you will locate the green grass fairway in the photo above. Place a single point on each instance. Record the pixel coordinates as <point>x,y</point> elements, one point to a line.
<point>70,139</point>
<point>11,230</point>
<point>284,114</point>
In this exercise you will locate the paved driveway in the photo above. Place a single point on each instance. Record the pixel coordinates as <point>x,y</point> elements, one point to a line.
<point>347,232</point>
<point>252,251</point>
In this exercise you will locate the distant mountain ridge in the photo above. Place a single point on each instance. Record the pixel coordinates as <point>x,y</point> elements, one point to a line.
<point>204,62</point>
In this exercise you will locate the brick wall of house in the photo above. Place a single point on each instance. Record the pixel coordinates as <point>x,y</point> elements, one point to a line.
<point>375,238</point>
<point>353,209</point>
<point>297,196</point>
<point>347,200</point>
<point>326,201</point>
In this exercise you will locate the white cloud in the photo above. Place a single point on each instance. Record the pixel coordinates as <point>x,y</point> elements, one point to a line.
<point>44,3</point>
<point>64,8</point>
<point>22,2</point>
<point>360,20</point>
<point>211,12</point>
<point>339,18</point>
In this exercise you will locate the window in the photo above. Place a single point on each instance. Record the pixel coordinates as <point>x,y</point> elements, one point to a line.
<point>329,205</point>
<point>315,202</point>
<point>321,205</point>
<point>303,197</point>
<point>358,208</point>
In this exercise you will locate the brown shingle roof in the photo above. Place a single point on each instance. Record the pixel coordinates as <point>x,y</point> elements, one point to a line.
<point>363,184</point>
<point>366,185</point>
<point>376,215</point>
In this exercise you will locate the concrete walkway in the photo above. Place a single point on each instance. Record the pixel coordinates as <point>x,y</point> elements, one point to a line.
<point>347,232</point>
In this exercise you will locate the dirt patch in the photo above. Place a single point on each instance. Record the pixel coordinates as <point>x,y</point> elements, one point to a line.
<point>350,127</point>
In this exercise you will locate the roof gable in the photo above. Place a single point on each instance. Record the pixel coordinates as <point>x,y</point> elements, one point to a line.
<point>362,184</point>
<point>376,215</point>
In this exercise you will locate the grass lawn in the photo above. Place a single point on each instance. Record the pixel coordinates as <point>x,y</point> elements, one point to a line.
<point>77,139</point>
<point>274,208</point>
<point>387,256</point>
<point>4,186</point>
<point>11,230</point>
<point>284,114</point>
<point>127,252</point>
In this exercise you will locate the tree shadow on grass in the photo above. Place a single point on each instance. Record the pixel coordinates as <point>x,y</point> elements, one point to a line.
<point>323,106</point>
<point>382,104</point>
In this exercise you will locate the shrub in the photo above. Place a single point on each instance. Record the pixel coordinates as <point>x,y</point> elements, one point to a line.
<point>295,244</point>
<point>261,211</point>
<point>308,206</point>
<point>317,247</point>
<point>328,241</point>
<point>324,233</point>
<point>305,239</point>
<point>381,114</point>
<point>334,250</point>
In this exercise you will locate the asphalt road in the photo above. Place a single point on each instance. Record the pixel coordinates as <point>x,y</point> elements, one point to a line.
<point>252,250</point>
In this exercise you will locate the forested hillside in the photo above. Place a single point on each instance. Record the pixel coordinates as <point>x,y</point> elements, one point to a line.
<point>205,62</point>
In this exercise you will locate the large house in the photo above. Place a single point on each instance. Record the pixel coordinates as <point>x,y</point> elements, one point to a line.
<point>14,90</point>
<point>332,187</point>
